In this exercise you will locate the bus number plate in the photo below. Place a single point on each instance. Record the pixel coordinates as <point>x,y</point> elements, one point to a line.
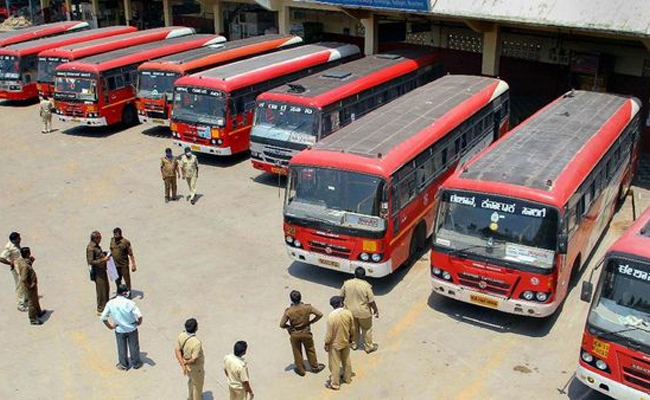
<point>158,121</point>
<point>600,348</point>
<point>329,263</point>
<point>278,171</point>
<point>484,301</point>
<point>195,148</point>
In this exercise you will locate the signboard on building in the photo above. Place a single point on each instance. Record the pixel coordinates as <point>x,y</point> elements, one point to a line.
<point>406,5</point>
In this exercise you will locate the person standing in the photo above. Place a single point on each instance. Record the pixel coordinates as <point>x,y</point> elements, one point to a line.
<point>236,370</point>
<point>169,171</point>
<point>126,318</point>
<point>297,321</point>
<point>340,325</point>
<point>9,255</point>
<point>189,353</point>
<point>46,109</point>
<point>360,300</point>
<point>189,166</point>
<point>122,251</point>
<point>97,259</point>
<point>28,279</point>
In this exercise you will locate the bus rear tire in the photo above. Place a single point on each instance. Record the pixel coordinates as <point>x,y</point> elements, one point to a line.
<point>129,116</point>
<point>418,243</point>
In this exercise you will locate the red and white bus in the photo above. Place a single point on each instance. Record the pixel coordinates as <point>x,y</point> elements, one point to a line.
<point>100,90</point>
<point>517,222</point>
<point>19,62</point>
<point>156,78</point>
<point>365,196</point>
<point>213,110</point>
<point>49,60</point>
<point>615,351</point>
<point>16,36</point>
<point>290,118</point>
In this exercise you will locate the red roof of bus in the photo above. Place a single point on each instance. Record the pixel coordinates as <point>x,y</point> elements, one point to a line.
<point>37,46</point>
<point>197,59</point>
<point>98,46</point>
<point>547,157</point>
<point>388,137</point>
<point>636,239</point>
<point>244,73</point>
<point>139,54</point>
<point>352,78</point>
<point>36,32</point>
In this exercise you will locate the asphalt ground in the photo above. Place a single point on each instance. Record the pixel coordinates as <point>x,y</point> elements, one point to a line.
<point>223,262</point>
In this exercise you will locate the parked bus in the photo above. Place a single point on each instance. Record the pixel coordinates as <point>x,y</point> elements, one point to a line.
<point>365,197</point>
<point>16,36</point>
<point>289,118</point>
<point>213,109</point>
<point>156,78</point>
<point>516,223</point>
<point>49,60</point>
<point>19,62</point>
<point>615,351</point>
<point>100,90</point>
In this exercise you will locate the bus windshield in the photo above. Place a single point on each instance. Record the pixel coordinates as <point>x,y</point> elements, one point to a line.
<point>47,70</point>
<point>199,105</point>
<point>75,89</point>
<point>336,197</point>
<point>622,304</point>
<point>156,84</point>
<point>293,123</point>
<point>499,228</point>
<point>9,67</point>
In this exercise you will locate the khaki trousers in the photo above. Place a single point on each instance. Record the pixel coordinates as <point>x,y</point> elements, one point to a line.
<point>237,394</point>
<point>170,187</point>
<point>101,288</point>
<point>298,341</point>
<point>123,272</point>
<point>33,304</point>
<point>195,379</point>
<point>340,359</point>
<point>363,328</point>
<point>47,122</point>
<point>191,184</point>
<point>21,296</point>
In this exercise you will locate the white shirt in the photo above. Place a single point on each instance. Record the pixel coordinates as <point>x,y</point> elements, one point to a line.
<point>124,312</point>
<point>11,252</point>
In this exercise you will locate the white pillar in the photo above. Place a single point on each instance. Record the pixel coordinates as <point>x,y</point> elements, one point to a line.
<point>128,16</point>
<point>370,40</point>
<point>284,20</point>
<point>218,17</point>
<point>491,52</point>
<point>167,13</point>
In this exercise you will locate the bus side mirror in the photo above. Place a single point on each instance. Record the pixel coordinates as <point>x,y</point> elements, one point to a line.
<point>586,291</point>
<point>562,243</point>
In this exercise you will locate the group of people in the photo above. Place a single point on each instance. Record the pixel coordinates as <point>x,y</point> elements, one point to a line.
<point>186,166</point>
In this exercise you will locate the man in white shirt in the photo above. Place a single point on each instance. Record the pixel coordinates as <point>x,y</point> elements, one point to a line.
<point>126,318</point>
<point>236,370</point>
<point>9,255</point>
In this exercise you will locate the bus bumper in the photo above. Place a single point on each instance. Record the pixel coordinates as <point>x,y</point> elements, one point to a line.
<point>375,270</point>
<point>153,121</point>
<point>84,121</point>
<point>512,306</point>
<point>608,386</point>
<point>270,168</point>
<point>219,151</point>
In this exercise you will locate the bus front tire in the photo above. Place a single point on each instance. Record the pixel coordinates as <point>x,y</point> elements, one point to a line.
<point>129,116</point>
<point>418,243</point>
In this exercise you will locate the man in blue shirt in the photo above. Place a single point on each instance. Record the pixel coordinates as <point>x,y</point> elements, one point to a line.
<point>126,318</point>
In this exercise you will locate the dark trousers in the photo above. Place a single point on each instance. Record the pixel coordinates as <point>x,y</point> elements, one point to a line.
<point>132,341</point>
<point>102,289</point>
<point>123,272</point>
<point>170,187</point>
<point>298,341</point>
<point>33,304</point>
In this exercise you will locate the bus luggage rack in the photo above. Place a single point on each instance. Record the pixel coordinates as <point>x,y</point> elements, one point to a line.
<point>500,288</point>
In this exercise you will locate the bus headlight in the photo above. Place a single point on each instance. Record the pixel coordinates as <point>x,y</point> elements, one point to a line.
<point>446,276</point>
<point>364,256</point>
<point>528,295</point>
<point>376,257</point>
<point>541,296</point>
<point>297,243</point>
<point>219,142</point>
<point>289,239</point>
<point>586,357</point>
<point>436,271</point>
<point>601,365</point>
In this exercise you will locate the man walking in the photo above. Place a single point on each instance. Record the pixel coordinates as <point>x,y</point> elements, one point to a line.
<point>360,300</point>
<point>189,166</point>
<point>28,279</point>
<point>122,251</point>
<point>189,353</point>
<point>169,171</point>
<point>97,259</point>
<point>237,372</point>
<point>297,321</point>
<point>340,325</point>
<point>126,318</point>
<point>46,108</point>
<point>9,255</point>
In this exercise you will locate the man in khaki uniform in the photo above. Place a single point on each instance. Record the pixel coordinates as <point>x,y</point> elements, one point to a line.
<point>9,255</point>
<point>97,259</point>
<point>189,353</point>
<point>169,171</point>
<point>360,300</point>
<point>189,166</point>
<point>30,282</point>
<point>340,325</point>
<point>46,108</point>
<point>236,370</point>
<point>297,321</point>
<point>122,251</point>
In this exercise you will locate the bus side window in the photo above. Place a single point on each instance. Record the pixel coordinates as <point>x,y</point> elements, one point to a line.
<point>119,81</point>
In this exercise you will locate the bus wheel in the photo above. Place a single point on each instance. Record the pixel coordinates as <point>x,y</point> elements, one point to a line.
<point>418,242</point>
<point>575,272</point>
<point>129,116</point>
